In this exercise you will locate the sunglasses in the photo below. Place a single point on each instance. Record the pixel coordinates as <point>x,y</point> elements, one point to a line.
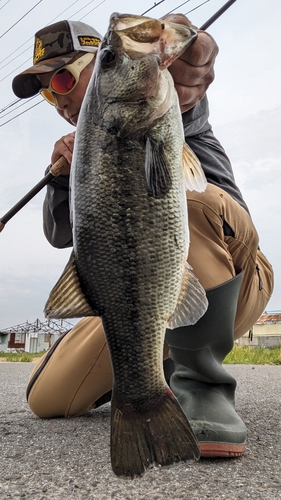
<point>65,79</point>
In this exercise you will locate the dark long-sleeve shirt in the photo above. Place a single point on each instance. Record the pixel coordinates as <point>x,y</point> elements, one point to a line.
<point>198,135</point>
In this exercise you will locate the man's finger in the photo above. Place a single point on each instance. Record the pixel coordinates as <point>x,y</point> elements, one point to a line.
<point>202,51</point>
<point>178,19</point>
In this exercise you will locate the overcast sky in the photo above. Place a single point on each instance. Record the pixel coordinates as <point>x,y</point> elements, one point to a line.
<point>245,103</point>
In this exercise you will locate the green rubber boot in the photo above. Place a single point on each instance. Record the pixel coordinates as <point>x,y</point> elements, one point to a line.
<point>203,387</point>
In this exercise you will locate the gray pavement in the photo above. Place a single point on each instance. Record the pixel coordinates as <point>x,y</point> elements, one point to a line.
<point>63,459</point>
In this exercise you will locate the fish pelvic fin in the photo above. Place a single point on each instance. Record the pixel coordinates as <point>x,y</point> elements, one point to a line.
<point>160,436</point>
<point>67,299</point>
<point>194,177</point>
<point>158,176</point>
<point>192,302</point>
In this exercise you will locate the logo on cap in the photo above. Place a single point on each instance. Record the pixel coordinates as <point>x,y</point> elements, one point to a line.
<point>89,41</point>
<point>39,50</point>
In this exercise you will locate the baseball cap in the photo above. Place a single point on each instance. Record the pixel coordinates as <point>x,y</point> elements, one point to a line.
<point>55,45</point>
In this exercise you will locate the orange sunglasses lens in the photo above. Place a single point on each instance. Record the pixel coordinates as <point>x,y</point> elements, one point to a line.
<point>48,96</point>
<point>63,81</point>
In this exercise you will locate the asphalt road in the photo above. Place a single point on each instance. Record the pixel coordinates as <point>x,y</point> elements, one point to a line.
<point>63,459</point>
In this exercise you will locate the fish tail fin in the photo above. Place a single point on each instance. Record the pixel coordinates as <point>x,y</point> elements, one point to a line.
<point>162,435</point>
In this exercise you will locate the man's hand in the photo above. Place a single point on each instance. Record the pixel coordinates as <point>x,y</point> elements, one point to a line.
<point>193,71</point>
<point>64,147</point>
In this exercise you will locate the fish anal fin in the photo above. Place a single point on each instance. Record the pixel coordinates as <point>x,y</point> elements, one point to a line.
<point>194,177</point>
<point>158,176</point>
<point>192,302</point>
<point>160,435</point>
<point>66,299</point>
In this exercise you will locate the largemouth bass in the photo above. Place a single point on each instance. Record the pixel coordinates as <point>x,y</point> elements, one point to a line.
<point>129,174</point>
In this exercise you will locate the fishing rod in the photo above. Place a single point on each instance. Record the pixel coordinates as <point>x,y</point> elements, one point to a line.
<point>54,171</point>
<point>57,168</point>
<point>217,15</point>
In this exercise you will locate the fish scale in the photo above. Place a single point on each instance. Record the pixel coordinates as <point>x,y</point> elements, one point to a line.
<point>130,235</point>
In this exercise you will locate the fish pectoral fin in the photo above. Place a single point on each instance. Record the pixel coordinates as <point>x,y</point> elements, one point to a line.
<point>67,299</point>
<point>158,176</point>
<point>193,173</point>
<point>192,303</point>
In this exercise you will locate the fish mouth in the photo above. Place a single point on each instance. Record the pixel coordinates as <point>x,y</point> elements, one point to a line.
<point>139,36</point>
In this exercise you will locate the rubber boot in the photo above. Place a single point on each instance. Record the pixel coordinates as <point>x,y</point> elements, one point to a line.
<point>203,387</point>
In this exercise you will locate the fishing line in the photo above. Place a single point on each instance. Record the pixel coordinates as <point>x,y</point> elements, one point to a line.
<point>26,61</point>
<point>178,6</point>
<point>67,8</point>
<point>20,105</point>
<point>82,8</point>
<point>31,38</point>
<point>9,105</point>
<point>1,36</point>
<point>4,5</point>
<point>151,8</point>
<point>92,10</point>
<point>195,8</point>
<point>19,114</point>
<point>11,60</point>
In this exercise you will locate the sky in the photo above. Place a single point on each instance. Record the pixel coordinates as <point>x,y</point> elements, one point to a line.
<point>245,112</point>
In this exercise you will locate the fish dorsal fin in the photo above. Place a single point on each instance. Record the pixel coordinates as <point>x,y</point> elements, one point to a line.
<point>194,177</point>
<point>192,302</point>
<point>66,299</point>
<point>158,177</point>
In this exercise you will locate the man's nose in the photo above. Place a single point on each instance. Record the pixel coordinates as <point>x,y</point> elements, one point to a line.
<point>61,101</point>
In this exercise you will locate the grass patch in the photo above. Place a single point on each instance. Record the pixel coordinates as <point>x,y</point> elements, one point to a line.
<point>243,355</point>
<point>246,355</point>
<point>23,357</point>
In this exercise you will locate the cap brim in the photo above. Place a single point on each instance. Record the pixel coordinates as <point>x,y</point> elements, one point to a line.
<point>26,84</point>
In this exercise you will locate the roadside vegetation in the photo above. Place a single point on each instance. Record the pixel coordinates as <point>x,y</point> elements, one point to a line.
<point>23,357</point>
<point>246,355</point>
<point>243,355</point>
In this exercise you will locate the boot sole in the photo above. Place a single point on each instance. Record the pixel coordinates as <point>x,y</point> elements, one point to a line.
<point>227,450</point>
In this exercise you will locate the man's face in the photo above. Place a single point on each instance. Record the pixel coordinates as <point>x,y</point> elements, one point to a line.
<point>68,106</point>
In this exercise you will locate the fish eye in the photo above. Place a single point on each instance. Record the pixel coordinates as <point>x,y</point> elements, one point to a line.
<point>107,57</point>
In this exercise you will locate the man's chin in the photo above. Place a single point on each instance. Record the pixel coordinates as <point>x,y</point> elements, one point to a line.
<point>71,121</point>
<point>74,120</point>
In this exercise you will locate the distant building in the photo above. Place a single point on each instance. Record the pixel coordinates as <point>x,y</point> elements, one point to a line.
<point>32,337</point>
<point>265,332</point>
